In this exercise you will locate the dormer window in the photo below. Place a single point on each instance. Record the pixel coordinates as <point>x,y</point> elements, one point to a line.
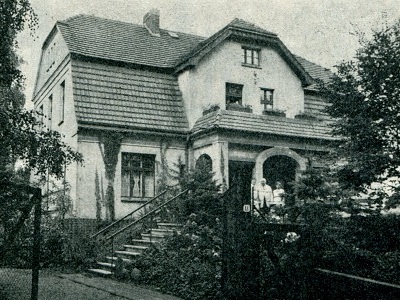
<point>233,93</point>
<point>267,98</point>
<point>251,57</point>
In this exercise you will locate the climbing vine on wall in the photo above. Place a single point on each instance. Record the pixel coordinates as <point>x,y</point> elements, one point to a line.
<point>99,194</point>
<point>112,145</point>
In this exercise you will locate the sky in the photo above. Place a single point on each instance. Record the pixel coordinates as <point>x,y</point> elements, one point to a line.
<point>322,31</point>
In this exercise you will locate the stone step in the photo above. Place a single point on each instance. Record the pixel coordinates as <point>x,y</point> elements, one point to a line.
<point>142,242</point>
<point>130,254</point>
<point>106,265</point>
<point>153,237</point>
<point>164,232</point>
<point>173,226</point>
<point>114,259</point>
<point>135,248</point>
<point>101,272</point>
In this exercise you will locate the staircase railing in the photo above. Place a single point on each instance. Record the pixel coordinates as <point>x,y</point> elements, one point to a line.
<point>112,225</point>
<point>151,213</point>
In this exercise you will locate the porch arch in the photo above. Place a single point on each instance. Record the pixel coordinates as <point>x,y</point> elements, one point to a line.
<point>284,151</point>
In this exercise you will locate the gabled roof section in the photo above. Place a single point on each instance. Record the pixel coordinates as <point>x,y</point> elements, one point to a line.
<point>251,123</point>
<point>118,41</point>
<point>125,42</point>
<point>317,72</point>
<point>244,31</point>
<point>125,98</point>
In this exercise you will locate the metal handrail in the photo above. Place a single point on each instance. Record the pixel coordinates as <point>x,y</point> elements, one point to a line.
<point>146,215</point>
<point>126,216</point>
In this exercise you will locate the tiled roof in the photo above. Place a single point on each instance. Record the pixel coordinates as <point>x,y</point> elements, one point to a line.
<point>127,98</point>
<point>317,72</point>
<point>242,24</point>
<point>248,122</point>
<point>126,42</point>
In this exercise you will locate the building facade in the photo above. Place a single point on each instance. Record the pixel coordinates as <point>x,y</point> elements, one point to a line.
<point>138,100</point>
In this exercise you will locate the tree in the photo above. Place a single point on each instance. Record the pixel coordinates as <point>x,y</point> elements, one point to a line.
<point>364,97</point>
<point>21,137</point>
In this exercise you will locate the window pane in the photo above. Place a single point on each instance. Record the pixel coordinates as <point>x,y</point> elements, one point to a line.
<point>148,163</point>
<point>248,57</point>
<point>256,60</point>
<point>148,184</point>
<point>136,187</point>
<point>125,180</point>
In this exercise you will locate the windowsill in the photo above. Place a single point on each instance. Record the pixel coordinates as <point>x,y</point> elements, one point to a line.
<point>135,199</point>
<point>251,66</point>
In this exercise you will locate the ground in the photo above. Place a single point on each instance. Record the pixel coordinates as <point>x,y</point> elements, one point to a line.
<point>15,284</point>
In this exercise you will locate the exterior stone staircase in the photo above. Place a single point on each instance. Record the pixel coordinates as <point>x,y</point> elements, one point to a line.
<point>135,248</point>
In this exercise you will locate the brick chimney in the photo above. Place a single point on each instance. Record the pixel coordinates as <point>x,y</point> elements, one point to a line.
<point>151,21</point>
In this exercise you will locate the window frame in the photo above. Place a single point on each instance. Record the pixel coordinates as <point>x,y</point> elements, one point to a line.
<point>138,171</point>
<point>253,51</point>
<point>264,99</point>
<point>228,96</point>
<point>50,111</point>
<point>62,103</point>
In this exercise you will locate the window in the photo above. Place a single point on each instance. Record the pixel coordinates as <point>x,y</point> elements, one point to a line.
<point>62,102</point>
<point>251,56</point>
<point>50,111</point>
<point>267,98</point>
<point>138,180</point>
<point>233,93</point>
<point>40,114</point>
<point>204,162</point>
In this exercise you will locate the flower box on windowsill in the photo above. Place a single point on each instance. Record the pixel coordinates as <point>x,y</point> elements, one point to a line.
<point>238,107</point>
<point>306,116</point>
<point>273,112</point>
<point>211,109</point>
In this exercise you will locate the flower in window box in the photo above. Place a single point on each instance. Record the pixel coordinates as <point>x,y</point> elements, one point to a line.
<point>238,107</point>
<point>210,108</point>
<point>274,112</point>
<point>306,116</point>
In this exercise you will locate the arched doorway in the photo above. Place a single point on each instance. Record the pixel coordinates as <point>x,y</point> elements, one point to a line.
<point>280,168</point>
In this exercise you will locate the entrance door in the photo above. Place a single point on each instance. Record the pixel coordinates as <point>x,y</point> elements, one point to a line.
<point>240,175</point>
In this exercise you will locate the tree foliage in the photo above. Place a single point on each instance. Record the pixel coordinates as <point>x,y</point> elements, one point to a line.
<point>21,137</point>
<point>365,95</point>
<point>21,134</point>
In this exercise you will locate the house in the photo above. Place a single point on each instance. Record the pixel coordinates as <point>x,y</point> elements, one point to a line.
<point>136,99</point>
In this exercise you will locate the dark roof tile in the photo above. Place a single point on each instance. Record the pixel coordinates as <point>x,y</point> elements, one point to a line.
<point>117,96</point>
<point>247,122</point>
<point>114,40</point>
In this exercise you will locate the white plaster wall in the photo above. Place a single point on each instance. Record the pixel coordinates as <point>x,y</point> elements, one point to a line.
<point>205,84</point>
<point>89,147</point>
<point>68,127</point>
<point>52,55</point>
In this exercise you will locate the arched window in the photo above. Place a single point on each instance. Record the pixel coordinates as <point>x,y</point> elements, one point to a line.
<point>204,162</point>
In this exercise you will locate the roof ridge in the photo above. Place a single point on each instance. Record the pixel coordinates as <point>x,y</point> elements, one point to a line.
<point>126,23</point>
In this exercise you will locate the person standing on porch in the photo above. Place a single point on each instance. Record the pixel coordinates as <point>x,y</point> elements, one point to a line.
<point>279,194</point>
<point>263,195</point>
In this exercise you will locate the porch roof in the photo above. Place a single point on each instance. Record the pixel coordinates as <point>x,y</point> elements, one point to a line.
<point>248,122</point>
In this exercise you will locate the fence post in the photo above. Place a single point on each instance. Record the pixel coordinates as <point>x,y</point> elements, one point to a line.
<point>37,198</point>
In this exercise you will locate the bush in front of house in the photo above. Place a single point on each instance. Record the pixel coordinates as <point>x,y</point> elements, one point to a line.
<point>361,245</point>
<point>188,264</point>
